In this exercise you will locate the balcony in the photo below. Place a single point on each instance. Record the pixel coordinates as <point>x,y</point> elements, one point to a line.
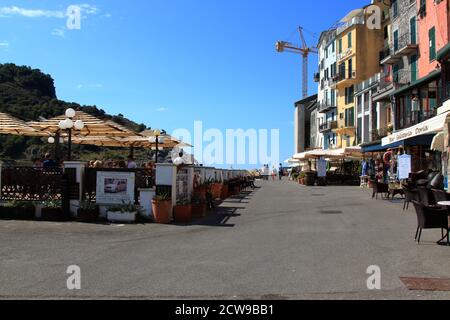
<point>328,126</point>
<point>324,107</point>
<point>394,80</point>
<point>316,77</point>
<point>405,46</point>
<point>379,134</point>
<point>346,79</point>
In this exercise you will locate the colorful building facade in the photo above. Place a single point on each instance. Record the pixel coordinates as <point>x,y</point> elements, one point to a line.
<point>327,96</point>
<point>357,60</point>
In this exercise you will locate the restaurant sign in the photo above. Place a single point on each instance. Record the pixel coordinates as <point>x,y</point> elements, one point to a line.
<point>115,187</point>
<point>433,125</point>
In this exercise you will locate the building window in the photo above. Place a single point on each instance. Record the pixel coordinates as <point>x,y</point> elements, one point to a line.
<point>332,47</point>
<point>340,46</point>
<point>349,95</point>
<point>350,68</point>
<point>350,117</point>
<point>432,38</point>
<point>394,9</point>
<point>349,39</point>
<point>395,40</point>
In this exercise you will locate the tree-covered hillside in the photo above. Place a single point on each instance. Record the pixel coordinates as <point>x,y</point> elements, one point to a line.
<point>29,94</point>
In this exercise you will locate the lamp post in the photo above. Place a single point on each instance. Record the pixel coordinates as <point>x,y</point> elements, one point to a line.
<point>68,124</point>
<point>157,138</point>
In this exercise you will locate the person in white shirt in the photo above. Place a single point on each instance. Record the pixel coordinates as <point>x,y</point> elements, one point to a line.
<point>131,164</point>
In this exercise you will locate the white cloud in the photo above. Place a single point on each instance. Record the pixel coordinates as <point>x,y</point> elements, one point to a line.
<point>31,13</point>
<point>86,9</point>
<point>161,109</point>
<point>59,32</point>
<point>4,44</point>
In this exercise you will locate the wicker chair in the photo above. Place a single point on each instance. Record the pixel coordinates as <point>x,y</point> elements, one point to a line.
<point>426,196</point>
<point>410,196</point>
<point>431,218</point>
<point>440,195</point>
<point>378,188</point>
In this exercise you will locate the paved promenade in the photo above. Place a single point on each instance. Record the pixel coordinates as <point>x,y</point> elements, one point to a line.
<point>282,241</point>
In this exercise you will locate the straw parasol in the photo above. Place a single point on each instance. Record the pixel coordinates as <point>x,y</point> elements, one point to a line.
<point>92,126</point>
<point>13,126</point>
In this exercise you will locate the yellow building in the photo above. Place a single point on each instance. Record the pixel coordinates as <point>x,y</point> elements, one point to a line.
<point>358,48</point>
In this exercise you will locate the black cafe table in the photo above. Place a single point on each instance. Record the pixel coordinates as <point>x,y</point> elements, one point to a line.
<point>442,241</point>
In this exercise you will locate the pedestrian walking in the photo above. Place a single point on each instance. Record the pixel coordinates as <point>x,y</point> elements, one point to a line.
<point>280,172</point>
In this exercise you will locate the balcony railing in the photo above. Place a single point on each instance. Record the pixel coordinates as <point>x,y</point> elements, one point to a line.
<point>395,79</point>
<point>379,134</point>
<point>316,77</point>
<point>404,46</point>
<point>325,107</point>
<point>328,126</point>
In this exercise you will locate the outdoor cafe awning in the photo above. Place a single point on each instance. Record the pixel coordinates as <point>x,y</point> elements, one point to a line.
<point>92,126</point>
<point>14,126</point>
<point>343,153</point>
<point>433,125</point>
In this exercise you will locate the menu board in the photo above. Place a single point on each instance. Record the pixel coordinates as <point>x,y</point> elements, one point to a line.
<point>404,166</point>
<point>322,168</point>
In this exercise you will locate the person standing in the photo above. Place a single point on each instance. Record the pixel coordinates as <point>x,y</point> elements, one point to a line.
<point>280,172</point>
<point>49,163</point>
<point>274,173</point>
<point>130,163</point>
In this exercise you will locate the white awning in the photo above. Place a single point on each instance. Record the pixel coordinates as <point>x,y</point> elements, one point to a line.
<point>438,142</point>
<point>433,125</point>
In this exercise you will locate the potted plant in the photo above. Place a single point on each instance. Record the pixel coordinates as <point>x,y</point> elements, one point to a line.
<point>125,212</point>
<point>162,208</point>
<point>52,210</point>
<point>198,206</point>
<point>19,210</point>
<point>301,178</point>
<point>183,212</point>
<point>87,212</point>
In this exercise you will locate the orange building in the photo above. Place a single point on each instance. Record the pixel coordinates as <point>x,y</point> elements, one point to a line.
<point>433,28</point>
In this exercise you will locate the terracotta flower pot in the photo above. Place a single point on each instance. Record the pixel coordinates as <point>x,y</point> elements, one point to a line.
<point>216,190</point>
<point>224,193</point>
<point>162,211</point>
<point>183,213</point>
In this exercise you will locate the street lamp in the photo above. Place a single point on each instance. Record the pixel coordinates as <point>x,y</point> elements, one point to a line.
<point>68,124</point>
<point>157,138</point>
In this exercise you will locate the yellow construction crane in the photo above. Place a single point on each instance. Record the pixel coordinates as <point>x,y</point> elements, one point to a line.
<point>282,46</point>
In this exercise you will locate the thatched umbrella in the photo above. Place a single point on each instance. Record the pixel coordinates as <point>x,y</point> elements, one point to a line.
<point>10,125</point>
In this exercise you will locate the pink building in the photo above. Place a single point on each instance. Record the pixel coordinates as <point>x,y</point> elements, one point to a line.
<point>433,26</point>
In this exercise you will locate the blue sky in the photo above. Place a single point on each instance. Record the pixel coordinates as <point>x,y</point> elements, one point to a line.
<point>169,63</point>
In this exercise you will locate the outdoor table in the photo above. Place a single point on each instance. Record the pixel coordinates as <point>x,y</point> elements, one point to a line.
<point>445,204</point>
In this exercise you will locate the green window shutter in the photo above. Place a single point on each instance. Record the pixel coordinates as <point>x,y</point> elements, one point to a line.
<point>413,30</point>
<point>432,38</point>
<point>396,40</point>
<point>413,63</point>
<point>340,46</point>
<point>349,39</point>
